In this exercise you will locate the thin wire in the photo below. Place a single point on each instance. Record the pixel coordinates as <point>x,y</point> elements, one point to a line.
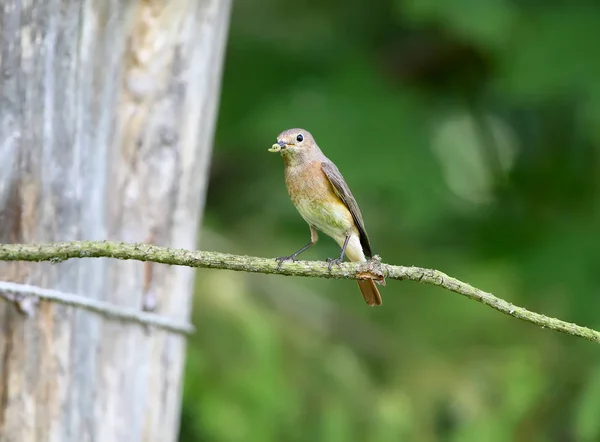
<point>105,309</point>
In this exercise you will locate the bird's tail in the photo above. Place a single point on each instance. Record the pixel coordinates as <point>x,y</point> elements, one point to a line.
<point>369,291</point>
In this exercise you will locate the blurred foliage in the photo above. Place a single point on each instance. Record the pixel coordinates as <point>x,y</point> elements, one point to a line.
<point>469,133</point>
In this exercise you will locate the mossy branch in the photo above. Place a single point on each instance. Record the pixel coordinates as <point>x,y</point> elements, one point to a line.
<point>57,252</point>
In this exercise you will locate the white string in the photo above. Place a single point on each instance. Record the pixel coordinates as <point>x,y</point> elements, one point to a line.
<point>99,307</point>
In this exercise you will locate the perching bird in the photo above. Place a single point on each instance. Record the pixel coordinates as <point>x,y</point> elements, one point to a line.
<point>324,200</point>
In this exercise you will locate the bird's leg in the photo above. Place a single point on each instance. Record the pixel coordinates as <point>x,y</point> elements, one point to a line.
<point>314,237</point>
<point>293,256</point>
<point>338,261</point>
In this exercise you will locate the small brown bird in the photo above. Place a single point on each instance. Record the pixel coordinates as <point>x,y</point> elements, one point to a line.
<point>324,200</point>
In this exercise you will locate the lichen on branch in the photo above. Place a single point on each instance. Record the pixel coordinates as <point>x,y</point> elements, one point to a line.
<point>374,269</point>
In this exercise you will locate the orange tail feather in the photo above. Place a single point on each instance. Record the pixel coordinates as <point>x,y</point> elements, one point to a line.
<point>369,292</point>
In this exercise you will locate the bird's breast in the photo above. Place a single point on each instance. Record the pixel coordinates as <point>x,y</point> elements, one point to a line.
<point>314,197</point>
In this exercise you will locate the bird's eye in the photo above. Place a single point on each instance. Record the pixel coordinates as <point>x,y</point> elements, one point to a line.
<point>299,138</point>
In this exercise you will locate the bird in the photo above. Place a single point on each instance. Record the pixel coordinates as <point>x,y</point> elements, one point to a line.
<point>320,194</point>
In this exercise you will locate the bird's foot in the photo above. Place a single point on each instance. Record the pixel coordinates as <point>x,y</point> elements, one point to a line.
<point>282,259</point>
<point>332,261</point>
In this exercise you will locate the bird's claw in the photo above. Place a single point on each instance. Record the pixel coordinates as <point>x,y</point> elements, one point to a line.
<point>332,261</point>
<point>282,259</point>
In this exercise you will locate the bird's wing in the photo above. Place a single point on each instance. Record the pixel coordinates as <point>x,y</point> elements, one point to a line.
<point>343,191</point>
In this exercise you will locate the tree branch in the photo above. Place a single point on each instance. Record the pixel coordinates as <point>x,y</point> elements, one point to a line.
<point>57,252</point>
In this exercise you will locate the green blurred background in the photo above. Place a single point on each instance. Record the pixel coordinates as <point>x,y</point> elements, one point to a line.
<point>469,132</point>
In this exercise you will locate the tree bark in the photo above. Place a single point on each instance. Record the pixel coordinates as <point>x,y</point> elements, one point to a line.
<point>107,115</point>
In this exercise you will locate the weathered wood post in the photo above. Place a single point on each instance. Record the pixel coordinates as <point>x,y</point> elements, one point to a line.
<point>107,114</point>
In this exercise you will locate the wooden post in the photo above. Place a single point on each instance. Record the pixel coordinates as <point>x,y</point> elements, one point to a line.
<point>107,115</point>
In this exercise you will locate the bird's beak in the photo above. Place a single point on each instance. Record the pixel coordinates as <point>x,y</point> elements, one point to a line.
<point>278,147</point>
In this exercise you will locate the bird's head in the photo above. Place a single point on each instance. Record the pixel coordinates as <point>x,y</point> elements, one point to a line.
<point>295,145</point>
